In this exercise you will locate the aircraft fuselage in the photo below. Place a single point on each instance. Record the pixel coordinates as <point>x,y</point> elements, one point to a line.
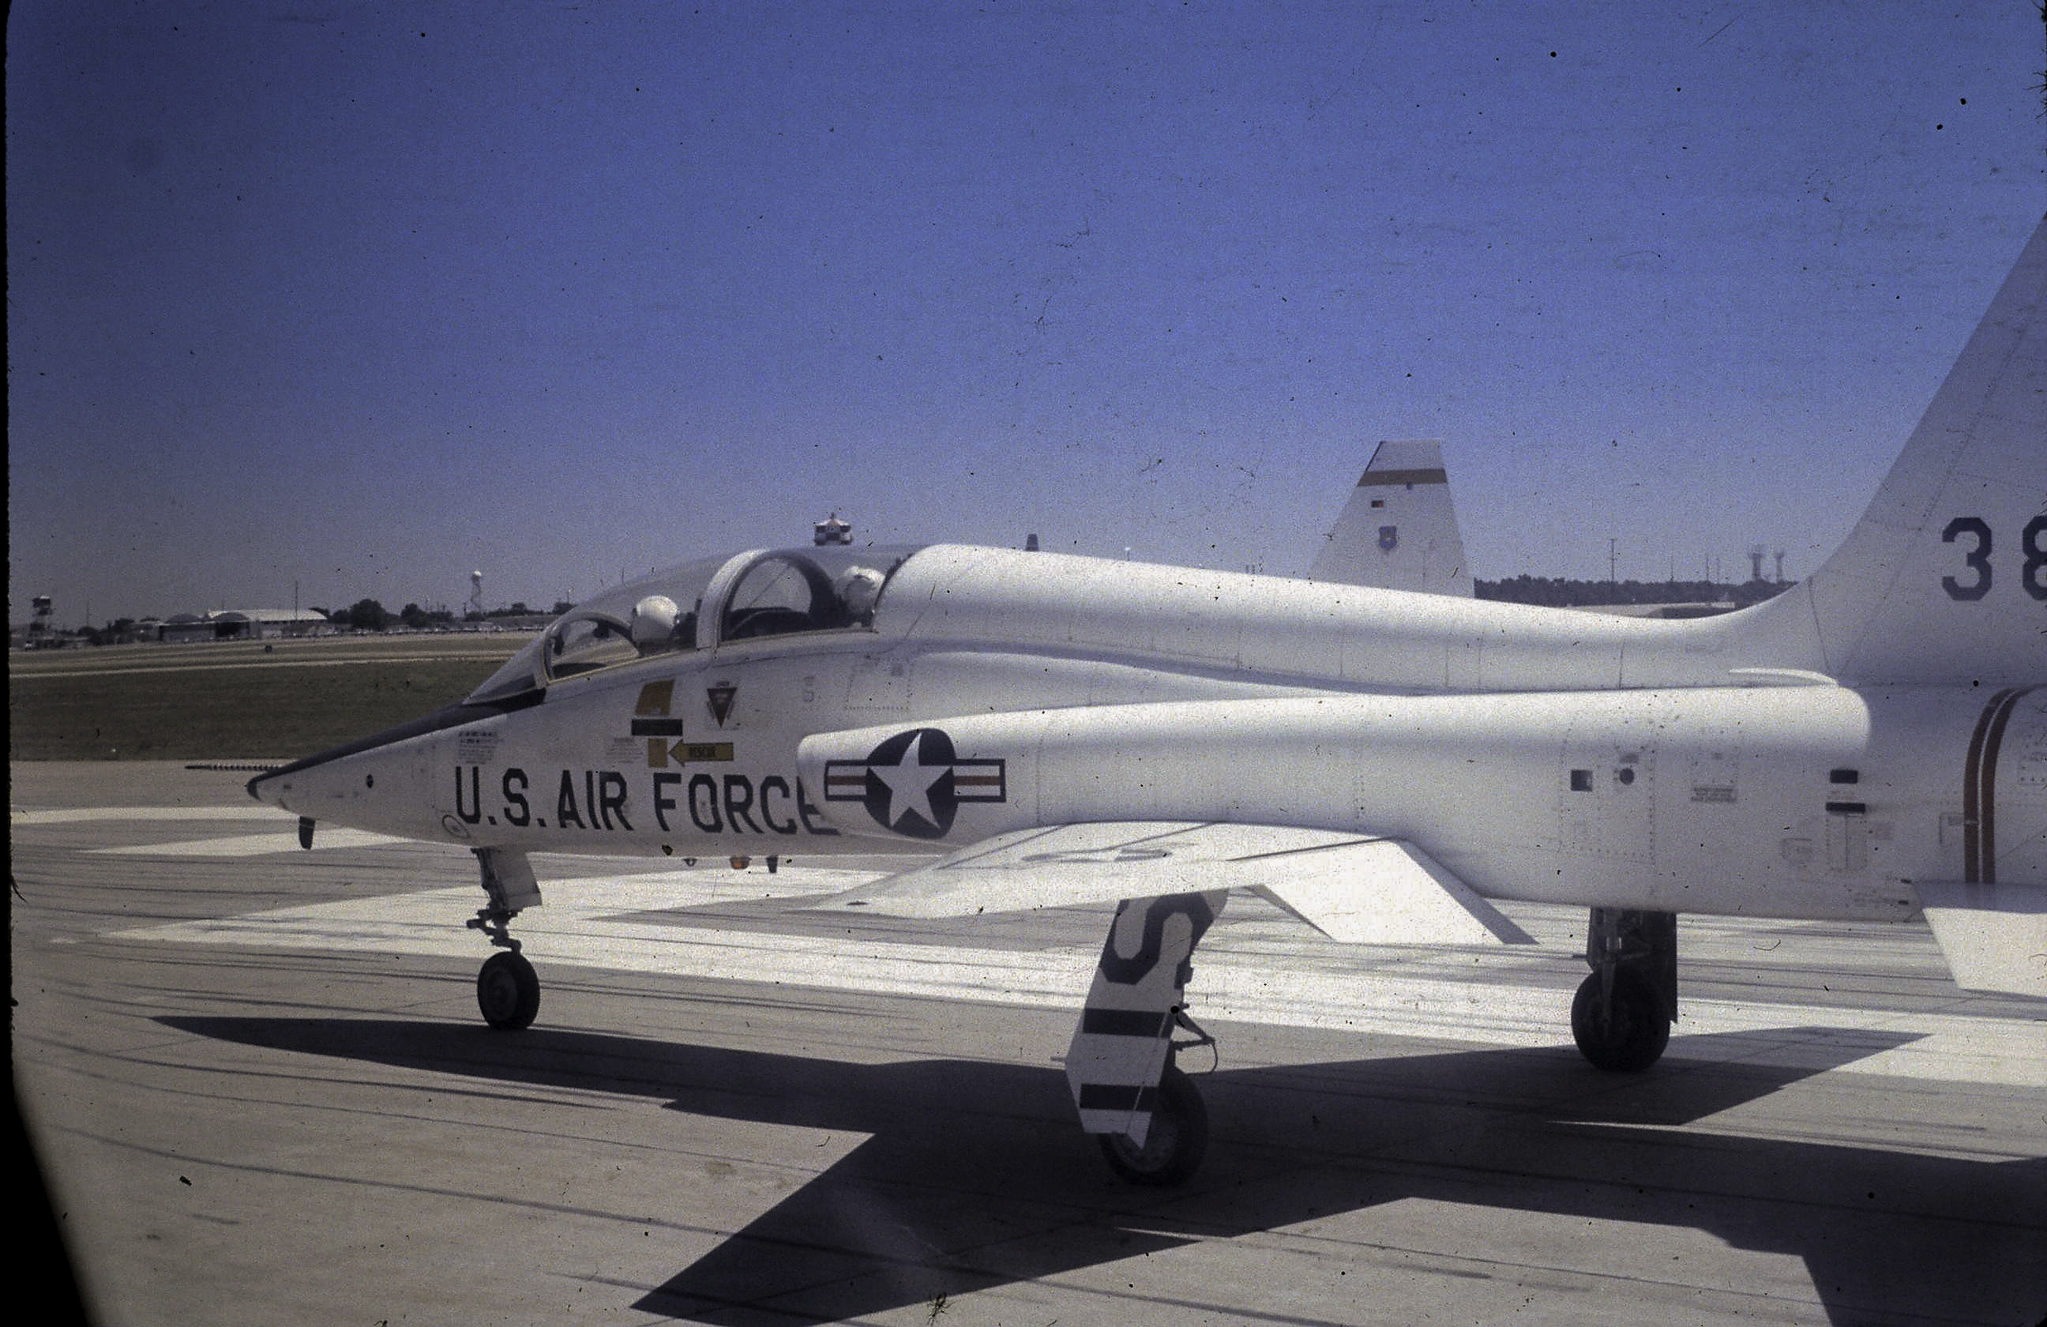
<point>1812,801</point>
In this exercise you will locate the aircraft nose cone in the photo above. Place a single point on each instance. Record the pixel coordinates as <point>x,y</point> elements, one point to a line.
<point>330,787</point>
<point>290,787</point>
<point>377,783</point>
<point>266,788</point>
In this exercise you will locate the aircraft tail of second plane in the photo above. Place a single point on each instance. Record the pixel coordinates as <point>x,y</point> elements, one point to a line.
<point>1399,530</point>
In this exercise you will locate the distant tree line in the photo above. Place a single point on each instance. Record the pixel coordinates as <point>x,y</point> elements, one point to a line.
<point>370,615</point>
<point>1560,592</point>
<point>362,615</point>
<point>1550,591</point>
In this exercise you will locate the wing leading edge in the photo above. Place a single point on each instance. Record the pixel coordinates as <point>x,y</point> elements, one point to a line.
<point>1353,888</point>
<point>1994,936</point>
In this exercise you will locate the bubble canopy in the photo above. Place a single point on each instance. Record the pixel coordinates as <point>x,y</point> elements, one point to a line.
<point>702,605</point>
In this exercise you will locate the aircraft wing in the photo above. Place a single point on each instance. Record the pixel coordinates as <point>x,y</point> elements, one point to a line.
<point>1354,888</point>
<point>1994,936</point>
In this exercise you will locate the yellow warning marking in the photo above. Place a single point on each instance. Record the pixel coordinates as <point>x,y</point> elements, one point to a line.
<point>660,752</point>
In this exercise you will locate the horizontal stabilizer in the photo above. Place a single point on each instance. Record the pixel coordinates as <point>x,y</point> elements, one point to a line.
<point>1993,936</point>
<point>1352,887</point>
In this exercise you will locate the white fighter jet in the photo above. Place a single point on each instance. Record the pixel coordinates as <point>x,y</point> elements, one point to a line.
<point>1384,764</point>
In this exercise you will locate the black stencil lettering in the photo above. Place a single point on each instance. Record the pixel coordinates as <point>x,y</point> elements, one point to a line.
<point>565,812</point>
<point>739,803</point>
<point>516,797</point>
<point>663,803</point>
<point>611,798</point>
<point>1977,560</point>
<point>807,813</point>
<point>703,803</point>
<point>2034,541</point>
<point>771,784</point>
<point>471,811</point>
<point>1130,971</point>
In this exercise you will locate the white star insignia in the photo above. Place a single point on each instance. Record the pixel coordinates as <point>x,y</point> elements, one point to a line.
<point>909,783</point>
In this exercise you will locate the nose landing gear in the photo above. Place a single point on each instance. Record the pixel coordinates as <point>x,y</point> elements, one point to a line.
<point>507,989</point>
<point>508,992</point>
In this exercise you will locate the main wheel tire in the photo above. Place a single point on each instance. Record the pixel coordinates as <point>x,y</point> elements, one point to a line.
<point>508,992</point>
<point>1176,1142</point>
<point>1625,1033</point>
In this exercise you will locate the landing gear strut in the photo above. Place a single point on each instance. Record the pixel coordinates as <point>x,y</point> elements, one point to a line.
<point>507,989</point>
<point>1622,1013</point>
<point>1143,1110</point>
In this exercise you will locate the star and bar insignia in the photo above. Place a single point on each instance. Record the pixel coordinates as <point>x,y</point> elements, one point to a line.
<point>914,782</point>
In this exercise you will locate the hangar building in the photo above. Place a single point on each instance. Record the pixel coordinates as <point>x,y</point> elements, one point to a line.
<point>242,624</point>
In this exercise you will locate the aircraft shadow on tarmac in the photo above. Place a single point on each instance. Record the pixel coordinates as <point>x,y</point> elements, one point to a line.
<point>975,1175</point>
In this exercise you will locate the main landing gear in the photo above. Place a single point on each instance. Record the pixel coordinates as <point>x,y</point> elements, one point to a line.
<point>507,989</point>
<point>1622,1013</point>
<point>1143,1110</point>
<point>1178,1138</point>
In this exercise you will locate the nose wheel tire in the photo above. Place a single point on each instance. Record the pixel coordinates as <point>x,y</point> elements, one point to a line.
<point>508,992</point>
<point>1625,1031</point>
<point>1177,1140</point>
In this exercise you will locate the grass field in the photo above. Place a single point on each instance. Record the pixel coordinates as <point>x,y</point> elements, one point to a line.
<point>235,701</point>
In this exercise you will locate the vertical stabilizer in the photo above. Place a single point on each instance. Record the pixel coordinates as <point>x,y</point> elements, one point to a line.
<point>1944,579</point>
<point>1398,531</point>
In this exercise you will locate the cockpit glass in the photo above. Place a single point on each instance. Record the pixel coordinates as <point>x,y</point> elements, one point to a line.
<point>703,603</point>
<point>514,677</point>
<point>823,589</point>
<point>585,644</point>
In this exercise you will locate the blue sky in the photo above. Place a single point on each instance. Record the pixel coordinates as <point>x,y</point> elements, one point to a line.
<point>366,296</point>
